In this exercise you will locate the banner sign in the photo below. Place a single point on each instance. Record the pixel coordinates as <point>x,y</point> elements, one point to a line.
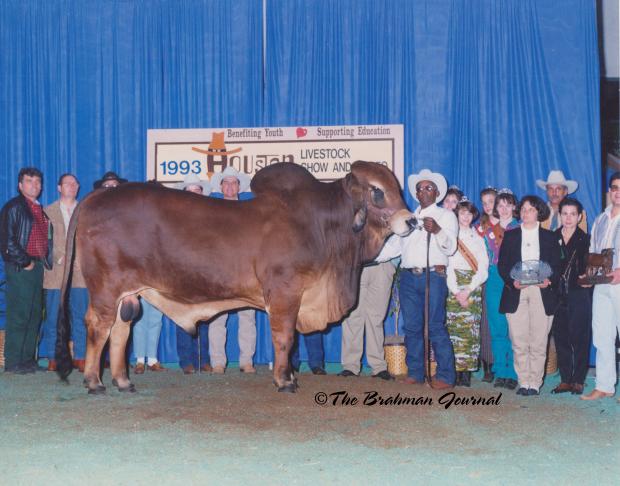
<point>326,151</point>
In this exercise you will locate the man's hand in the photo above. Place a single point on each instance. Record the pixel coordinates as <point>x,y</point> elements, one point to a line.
<point>30,266</point>
<point>615,274</point>
<point>431,225</point>
<point>544,284</point>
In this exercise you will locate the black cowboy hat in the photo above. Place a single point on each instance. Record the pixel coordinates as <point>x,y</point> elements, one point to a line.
<point>108,176</point>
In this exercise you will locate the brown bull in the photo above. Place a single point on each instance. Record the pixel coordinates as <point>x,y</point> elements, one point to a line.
<point>296,251</point>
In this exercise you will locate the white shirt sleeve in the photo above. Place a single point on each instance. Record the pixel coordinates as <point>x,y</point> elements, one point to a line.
<point>393,248</point>
<point>451,279</point>
<point>480,252</point>
<point>593,237</point>
<point>446,238</point>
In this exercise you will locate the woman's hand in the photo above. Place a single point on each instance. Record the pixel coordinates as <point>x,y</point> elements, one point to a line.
<point>581,285</point>
<point>544,284</point>
<point>463,298</point>
<point>30,266</point>
<point>517,285</point>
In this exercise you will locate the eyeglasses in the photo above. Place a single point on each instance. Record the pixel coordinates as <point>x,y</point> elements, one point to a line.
<point>614,188</point>
<point>427,188</point>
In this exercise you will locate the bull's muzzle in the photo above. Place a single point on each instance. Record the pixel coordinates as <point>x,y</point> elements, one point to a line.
<point>403,222</point>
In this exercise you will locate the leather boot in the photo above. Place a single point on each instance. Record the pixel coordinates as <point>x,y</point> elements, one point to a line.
<point>459,378</point>
<point>488,374</point>
<point>466,378</point>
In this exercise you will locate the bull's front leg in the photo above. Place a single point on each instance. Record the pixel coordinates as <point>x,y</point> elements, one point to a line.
<point>283,376</point>
<point>283,334</point>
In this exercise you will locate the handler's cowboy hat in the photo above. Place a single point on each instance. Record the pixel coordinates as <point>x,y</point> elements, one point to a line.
<point>217,146</point>
<point>217,178</point>
<point>193,180</point>
<point>109,176</point>
<point>557,177</point>
<point>427,175</point>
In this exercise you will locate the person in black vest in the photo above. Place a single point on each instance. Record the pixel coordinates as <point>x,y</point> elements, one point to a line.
<point>572,322</point>
<point>529,308</point>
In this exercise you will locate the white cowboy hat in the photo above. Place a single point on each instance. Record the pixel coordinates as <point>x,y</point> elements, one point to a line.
<point>193,180</point>
<point>426,175</point>
<point>557,177</point>
<point>244,179</point>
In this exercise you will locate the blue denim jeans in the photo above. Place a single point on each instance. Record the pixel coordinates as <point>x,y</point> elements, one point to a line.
<point>314,346</point>
<point>187,347</point>
<point>146,332</point>
<point>78,301</point>
<point>412,288</point>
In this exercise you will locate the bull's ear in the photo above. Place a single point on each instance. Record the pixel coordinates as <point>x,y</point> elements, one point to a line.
<point>356,191</point>
<point>359,220</point>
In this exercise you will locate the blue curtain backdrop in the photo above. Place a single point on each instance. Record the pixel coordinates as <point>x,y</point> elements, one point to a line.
<point>489,91</point>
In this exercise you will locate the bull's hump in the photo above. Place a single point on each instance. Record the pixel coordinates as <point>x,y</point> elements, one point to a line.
<point>282,178</point>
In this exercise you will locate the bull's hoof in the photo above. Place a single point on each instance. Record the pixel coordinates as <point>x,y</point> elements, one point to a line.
<point>288,388</point>
<point>126,389</point>
<point>100,390</point>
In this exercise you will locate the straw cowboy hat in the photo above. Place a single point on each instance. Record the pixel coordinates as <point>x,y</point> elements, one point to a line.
<point>244,179</point>
<point>426,175</point>
<point>194,180</point>
<point>557,177</point>
<point>217,146</point>
<point>109,176</point>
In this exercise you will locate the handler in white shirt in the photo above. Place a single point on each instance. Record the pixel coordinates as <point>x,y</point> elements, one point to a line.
<point>426,187</point>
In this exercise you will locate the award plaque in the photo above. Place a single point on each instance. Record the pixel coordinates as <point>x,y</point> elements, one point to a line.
<point>531,272</point>
<point>598,265</point>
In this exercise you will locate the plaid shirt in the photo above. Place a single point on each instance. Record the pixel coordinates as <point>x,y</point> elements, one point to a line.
<point>37,241</point>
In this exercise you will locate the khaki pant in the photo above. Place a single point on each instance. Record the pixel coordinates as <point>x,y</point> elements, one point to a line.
<point>529,329</point>
<point>246,336</point>
<point>368,316</point>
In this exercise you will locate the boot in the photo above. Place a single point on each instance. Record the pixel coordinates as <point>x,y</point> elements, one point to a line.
<point>488,374</point>
<point>466,378</point>
<point>459,378</point>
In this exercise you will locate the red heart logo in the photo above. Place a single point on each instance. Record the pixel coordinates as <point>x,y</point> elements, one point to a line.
<point>301,132</point>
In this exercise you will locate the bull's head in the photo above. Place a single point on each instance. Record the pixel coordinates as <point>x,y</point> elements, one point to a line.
<point>377,200</point>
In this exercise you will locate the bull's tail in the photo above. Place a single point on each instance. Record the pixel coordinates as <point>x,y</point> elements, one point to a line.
<point>64,363</point>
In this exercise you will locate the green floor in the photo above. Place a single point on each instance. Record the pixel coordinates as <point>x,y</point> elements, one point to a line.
<point>235,429</point>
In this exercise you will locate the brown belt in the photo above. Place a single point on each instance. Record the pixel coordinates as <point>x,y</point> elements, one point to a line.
<point>420,271</point>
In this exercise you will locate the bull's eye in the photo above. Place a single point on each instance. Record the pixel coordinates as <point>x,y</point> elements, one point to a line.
<point>378,196</point>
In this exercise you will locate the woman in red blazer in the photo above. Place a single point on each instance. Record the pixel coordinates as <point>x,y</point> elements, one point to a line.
<point>529,308</point>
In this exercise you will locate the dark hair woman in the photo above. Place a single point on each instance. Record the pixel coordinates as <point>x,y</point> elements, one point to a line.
<point>452,198</point>
<point>529,307</point>
<point>504,210</point>
<point>467,271</point>
<point>572,321</point>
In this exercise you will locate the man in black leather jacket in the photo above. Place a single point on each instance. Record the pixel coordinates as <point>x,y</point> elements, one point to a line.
<point>26,246</point>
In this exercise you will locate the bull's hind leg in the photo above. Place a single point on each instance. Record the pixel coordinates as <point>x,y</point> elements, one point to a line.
<point>98,333</point>
<point>118,365</point>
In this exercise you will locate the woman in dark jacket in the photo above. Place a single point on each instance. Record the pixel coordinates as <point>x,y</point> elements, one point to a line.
<point>529,308</point>
<point>572,322</point>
